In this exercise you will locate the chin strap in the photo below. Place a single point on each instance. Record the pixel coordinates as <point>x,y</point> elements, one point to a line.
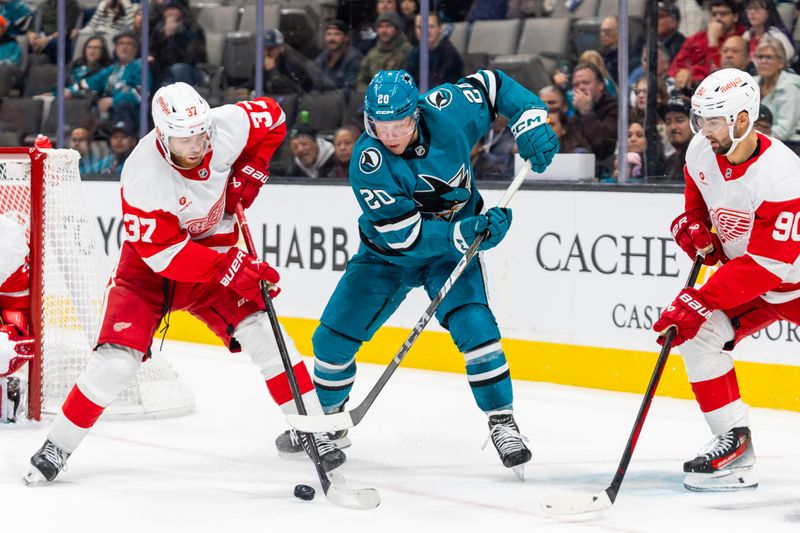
<point>734,141</point>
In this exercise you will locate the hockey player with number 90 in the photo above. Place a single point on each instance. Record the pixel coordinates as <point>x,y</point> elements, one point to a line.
<point>180,189</point>
<point>420,210</point>
<point>747,187</point>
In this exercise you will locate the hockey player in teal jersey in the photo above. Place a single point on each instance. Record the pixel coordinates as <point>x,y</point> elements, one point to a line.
<point>421,209</point>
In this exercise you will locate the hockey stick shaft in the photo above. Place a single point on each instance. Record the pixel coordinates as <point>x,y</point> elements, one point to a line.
<point>287,362</point>
<point>353,417</point>
<point>622,469</point>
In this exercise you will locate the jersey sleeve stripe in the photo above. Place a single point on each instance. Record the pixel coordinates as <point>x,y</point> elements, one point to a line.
<point>386,226</point>
<point>280,120</point>
<point>778,268</point>
<point>160,261</point>
<point>410,242</point>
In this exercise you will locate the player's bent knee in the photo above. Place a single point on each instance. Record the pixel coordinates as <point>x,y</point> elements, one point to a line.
<point>472,325</point>
<point>332,347</point>
<point>109,370</point>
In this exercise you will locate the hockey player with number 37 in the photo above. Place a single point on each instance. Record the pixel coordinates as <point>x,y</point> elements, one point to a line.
<point>420,211</point>
<point>180,187</point>
<point>747,187</point>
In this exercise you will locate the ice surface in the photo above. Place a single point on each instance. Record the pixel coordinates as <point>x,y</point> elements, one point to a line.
<point>217,470</point>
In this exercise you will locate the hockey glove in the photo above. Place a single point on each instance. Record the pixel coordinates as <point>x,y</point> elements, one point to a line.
<point>243,185</point>
<point>243,273</point>
<point>693,236</point>
<point>536,140</point>
<point>497,220</point>
<point>687,313</point>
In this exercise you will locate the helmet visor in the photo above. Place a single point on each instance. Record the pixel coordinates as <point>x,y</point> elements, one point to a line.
<point>192,147</point>
<point>708,125</point>
<point>391,130</point>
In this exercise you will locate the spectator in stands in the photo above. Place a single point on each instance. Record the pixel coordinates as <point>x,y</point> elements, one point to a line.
<point>734,54</point>
<point>765,20</point>
<point>389,53</point>
<point>445,65</point>
<point>366,36</point>
<point>554,97</point>
<point>10,59</point>
<point>487,10</point>
<point>662,69</point>
<point>764,122</point>
<point>408,13</point>
<point>780,90</point>
<point>313,155</point>
<point>177,45</point>
<point>18,15</point>
<point>640,97</point>
<point>123,140</point>
<point>137,20</point>
<point>569,140</point>
<point>493,155</point>
<point>596,58</point>
<point>95,157</point>
<point>337,65</point>
<point>699,54</point>
<point>117,86</point>
<point>43,39</point>
<point>343,141</point>
<point>110,18</point>
<point>609,41</point>
<point>94,58</point>
<point>669,18</point>
<point>286,71</point>
<point>596,115</point>
<point>635,156</point>
<point>675,114</point>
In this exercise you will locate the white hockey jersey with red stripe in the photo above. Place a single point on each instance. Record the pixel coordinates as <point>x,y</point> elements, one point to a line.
<point>755,209</point>
<point>175,219</point>
<point>14,283</point>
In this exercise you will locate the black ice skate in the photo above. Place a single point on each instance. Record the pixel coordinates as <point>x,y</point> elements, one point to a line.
<point>288,444</point>
<point>510,444</point>
<point>725,464</point>
<point>331,456</point>
<point>47,463</point>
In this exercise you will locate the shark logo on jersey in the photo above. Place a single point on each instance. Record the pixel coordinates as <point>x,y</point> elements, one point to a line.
<point>370,160</point>
<point>440,99</point>
<point>443,198</point>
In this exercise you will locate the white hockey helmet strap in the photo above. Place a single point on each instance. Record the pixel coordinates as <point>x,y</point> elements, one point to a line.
<point>179,111</point>
<point>726,93</point>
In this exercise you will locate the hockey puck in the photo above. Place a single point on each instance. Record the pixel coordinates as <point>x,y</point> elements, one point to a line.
<point>304,492</point>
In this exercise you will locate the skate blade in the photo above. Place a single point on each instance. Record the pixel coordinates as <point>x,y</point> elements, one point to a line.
<point>731,480</point>
<point>33,477</point>
<point>519,471</point>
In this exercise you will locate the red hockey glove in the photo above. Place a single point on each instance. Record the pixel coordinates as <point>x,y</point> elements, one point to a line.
<point>243,185</point>
<point>243,273</point>
<point>688,312</point>
<point>22,346</point>
<point>692,235</point>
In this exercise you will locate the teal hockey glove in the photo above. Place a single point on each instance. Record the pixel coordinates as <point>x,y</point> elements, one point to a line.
<point>496,220</point>
<point>536,140</point>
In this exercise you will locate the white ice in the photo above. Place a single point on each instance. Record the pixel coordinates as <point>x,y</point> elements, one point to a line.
<point>217,470</point>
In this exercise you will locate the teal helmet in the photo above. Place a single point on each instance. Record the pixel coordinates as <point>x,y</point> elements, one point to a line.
<point>391,95</point>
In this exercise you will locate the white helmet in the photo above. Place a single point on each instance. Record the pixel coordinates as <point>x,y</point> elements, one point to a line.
<point>179,111</point>
<point>726,93</point>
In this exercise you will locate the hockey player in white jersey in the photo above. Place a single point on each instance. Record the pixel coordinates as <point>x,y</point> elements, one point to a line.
<point>180,187</point>
<point>746,186</point>
<point>16,346</point>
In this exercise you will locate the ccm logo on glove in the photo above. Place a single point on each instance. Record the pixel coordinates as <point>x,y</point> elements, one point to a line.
<point>530,119</point>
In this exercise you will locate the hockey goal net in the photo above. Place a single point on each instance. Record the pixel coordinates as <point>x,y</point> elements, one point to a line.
<point>41,189</point>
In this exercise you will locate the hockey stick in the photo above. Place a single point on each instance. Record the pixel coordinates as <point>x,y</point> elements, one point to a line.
<point>575,502</point>
<point>335,492</point>
<point>348,419</point>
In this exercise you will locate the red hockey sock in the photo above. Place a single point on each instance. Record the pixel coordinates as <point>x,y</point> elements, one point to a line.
<point>279,385</point>
<point>718,392</point>
<point>80,410</point>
